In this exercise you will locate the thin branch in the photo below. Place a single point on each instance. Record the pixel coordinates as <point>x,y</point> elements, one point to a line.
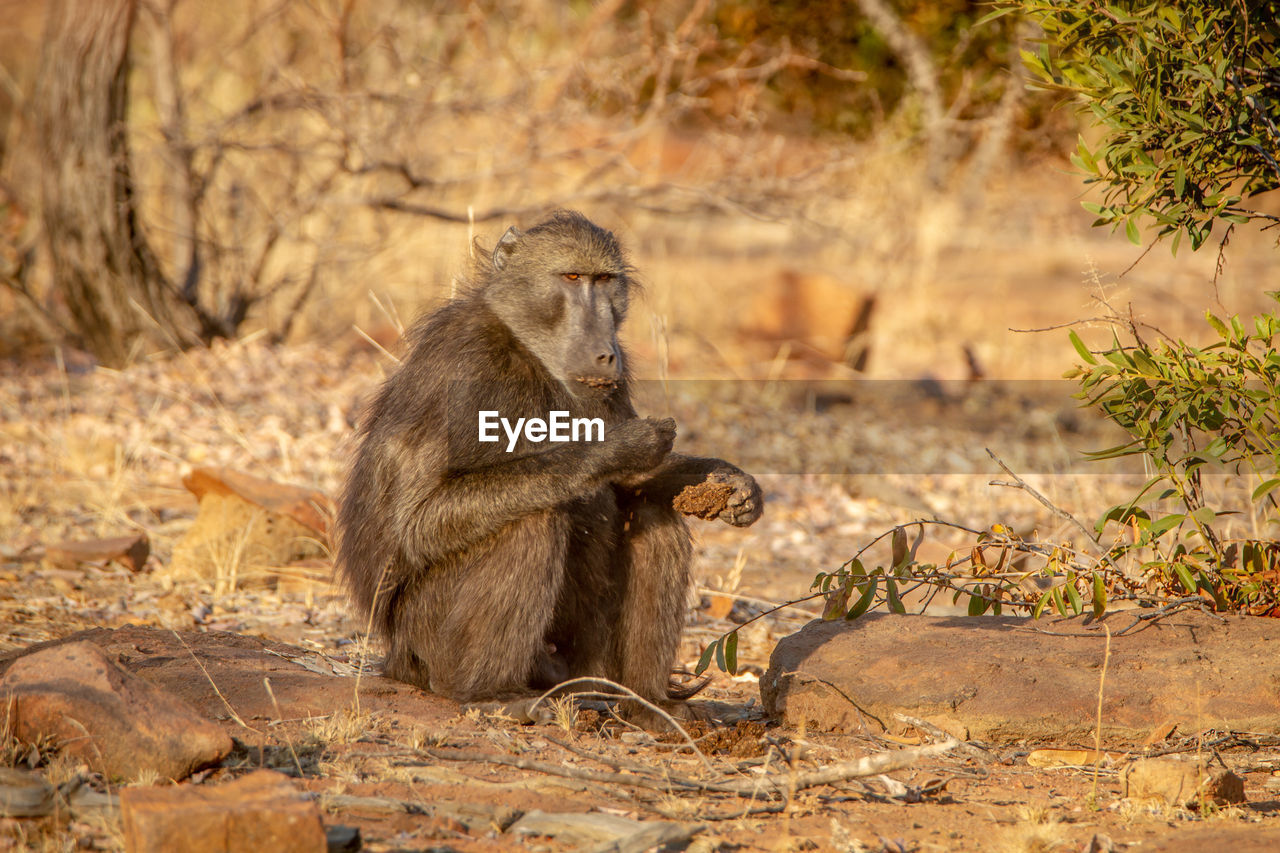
<point>627,692</point>
<point>1019,483</point>
<point>1066,325</point>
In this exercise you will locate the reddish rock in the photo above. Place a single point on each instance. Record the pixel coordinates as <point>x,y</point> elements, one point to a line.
<point>116,722</point>
<point>308,507</point>
<point>1005,678</point>
<point>306,684</point>
<point>129,551</point>
<point>247,526</point>
<point>261,811</point>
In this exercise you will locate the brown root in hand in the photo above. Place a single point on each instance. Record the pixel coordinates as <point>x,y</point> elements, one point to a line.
<point>705,500</point>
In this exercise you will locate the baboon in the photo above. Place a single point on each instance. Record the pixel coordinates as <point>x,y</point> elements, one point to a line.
<point>491,569</point>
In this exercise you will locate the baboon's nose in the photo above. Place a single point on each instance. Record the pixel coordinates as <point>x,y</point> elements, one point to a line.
<point>606,359</point>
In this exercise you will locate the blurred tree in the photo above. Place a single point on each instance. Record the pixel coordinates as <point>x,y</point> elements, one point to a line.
<point>930,47</point>
<point>100,261</point>
<point>1188,92</point>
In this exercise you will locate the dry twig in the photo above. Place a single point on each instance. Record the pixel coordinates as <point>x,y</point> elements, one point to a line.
<point>1019,483</point>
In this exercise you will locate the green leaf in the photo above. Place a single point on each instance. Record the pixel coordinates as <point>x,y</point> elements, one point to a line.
<point>1056,595</point>
<point>731,653</point>
<point>1184,577</point>
<point>977,604</point>
<point>1204,515</point>
<point>1265,489</point>
<point>1130,449</point>
<point>705,660</point>
<point>1040,603</point>
<point>1081,348</point>
<point>891,593</point>
<point>991,16</point>
<point>720,655</point>
<point>1073,596</point>
<point>1164,523</point>
<point>1218,325</point>
<point>1131,231</point>
<point>1099,595</point>
<point>864,600</point>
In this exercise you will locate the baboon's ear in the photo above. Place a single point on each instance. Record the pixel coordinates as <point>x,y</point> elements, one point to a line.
<point>502,251</point>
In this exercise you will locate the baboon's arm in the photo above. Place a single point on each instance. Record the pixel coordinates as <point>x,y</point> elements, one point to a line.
<point>677,472</point>
<point>463,507</point>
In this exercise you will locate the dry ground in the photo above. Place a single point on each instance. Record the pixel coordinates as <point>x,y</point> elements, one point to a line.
<point>88,452</point>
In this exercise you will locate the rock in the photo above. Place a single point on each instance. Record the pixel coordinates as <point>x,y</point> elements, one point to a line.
<point>117,723</point>
<point>1182,782</point>
<point>246,524</point>
<point>188,664</point>
<point>573,827</point>
<point>261,811</point>
<point>602,831</point>
<point>343,839</point>
<point>24,794</point>
<point>129,551</point>
<point>1003,679</point>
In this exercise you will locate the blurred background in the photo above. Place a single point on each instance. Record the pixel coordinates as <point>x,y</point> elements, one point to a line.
<point>809,189</point>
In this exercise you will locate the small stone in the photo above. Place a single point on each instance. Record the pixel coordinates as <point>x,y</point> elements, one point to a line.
<point>117,723</point>
<point>261,811</point>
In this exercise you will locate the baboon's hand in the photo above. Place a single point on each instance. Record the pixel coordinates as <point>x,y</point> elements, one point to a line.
<point>747,501</point>
<point>638,445</point>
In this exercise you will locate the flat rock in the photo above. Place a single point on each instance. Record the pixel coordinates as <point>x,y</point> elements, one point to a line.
<point>1180,781</point>
<point>129,551</point>
<point>1006,679</point>
<point>260,811</point>
<point>189,664</point>
<point>116,722</point>
<point>310,508</point>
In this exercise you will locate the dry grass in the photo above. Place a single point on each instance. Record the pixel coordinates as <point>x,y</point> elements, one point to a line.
<point>345,726</point>
<point>1036,832</point>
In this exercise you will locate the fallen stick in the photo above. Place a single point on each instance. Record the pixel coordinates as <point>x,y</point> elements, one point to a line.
<point>778,784</point>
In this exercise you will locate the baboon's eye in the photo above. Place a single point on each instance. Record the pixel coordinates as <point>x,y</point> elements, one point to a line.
<point>605,277</point>
<point>571,276</point>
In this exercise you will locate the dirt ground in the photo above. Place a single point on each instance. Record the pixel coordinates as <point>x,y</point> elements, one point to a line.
<point>89,452</point>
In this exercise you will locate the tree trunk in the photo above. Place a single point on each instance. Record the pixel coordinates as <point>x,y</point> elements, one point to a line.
<point>101,262</point>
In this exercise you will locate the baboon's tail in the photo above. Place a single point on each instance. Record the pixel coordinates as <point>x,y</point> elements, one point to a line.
<point>681,689</point>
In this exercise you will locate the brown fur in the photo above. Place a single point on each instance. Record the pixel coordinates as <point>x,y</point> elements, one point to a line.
<point>489,574</point>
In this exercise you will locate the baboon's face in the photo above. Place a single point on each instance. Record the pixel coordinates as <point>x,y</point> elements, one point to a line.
<point>562,288</point>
